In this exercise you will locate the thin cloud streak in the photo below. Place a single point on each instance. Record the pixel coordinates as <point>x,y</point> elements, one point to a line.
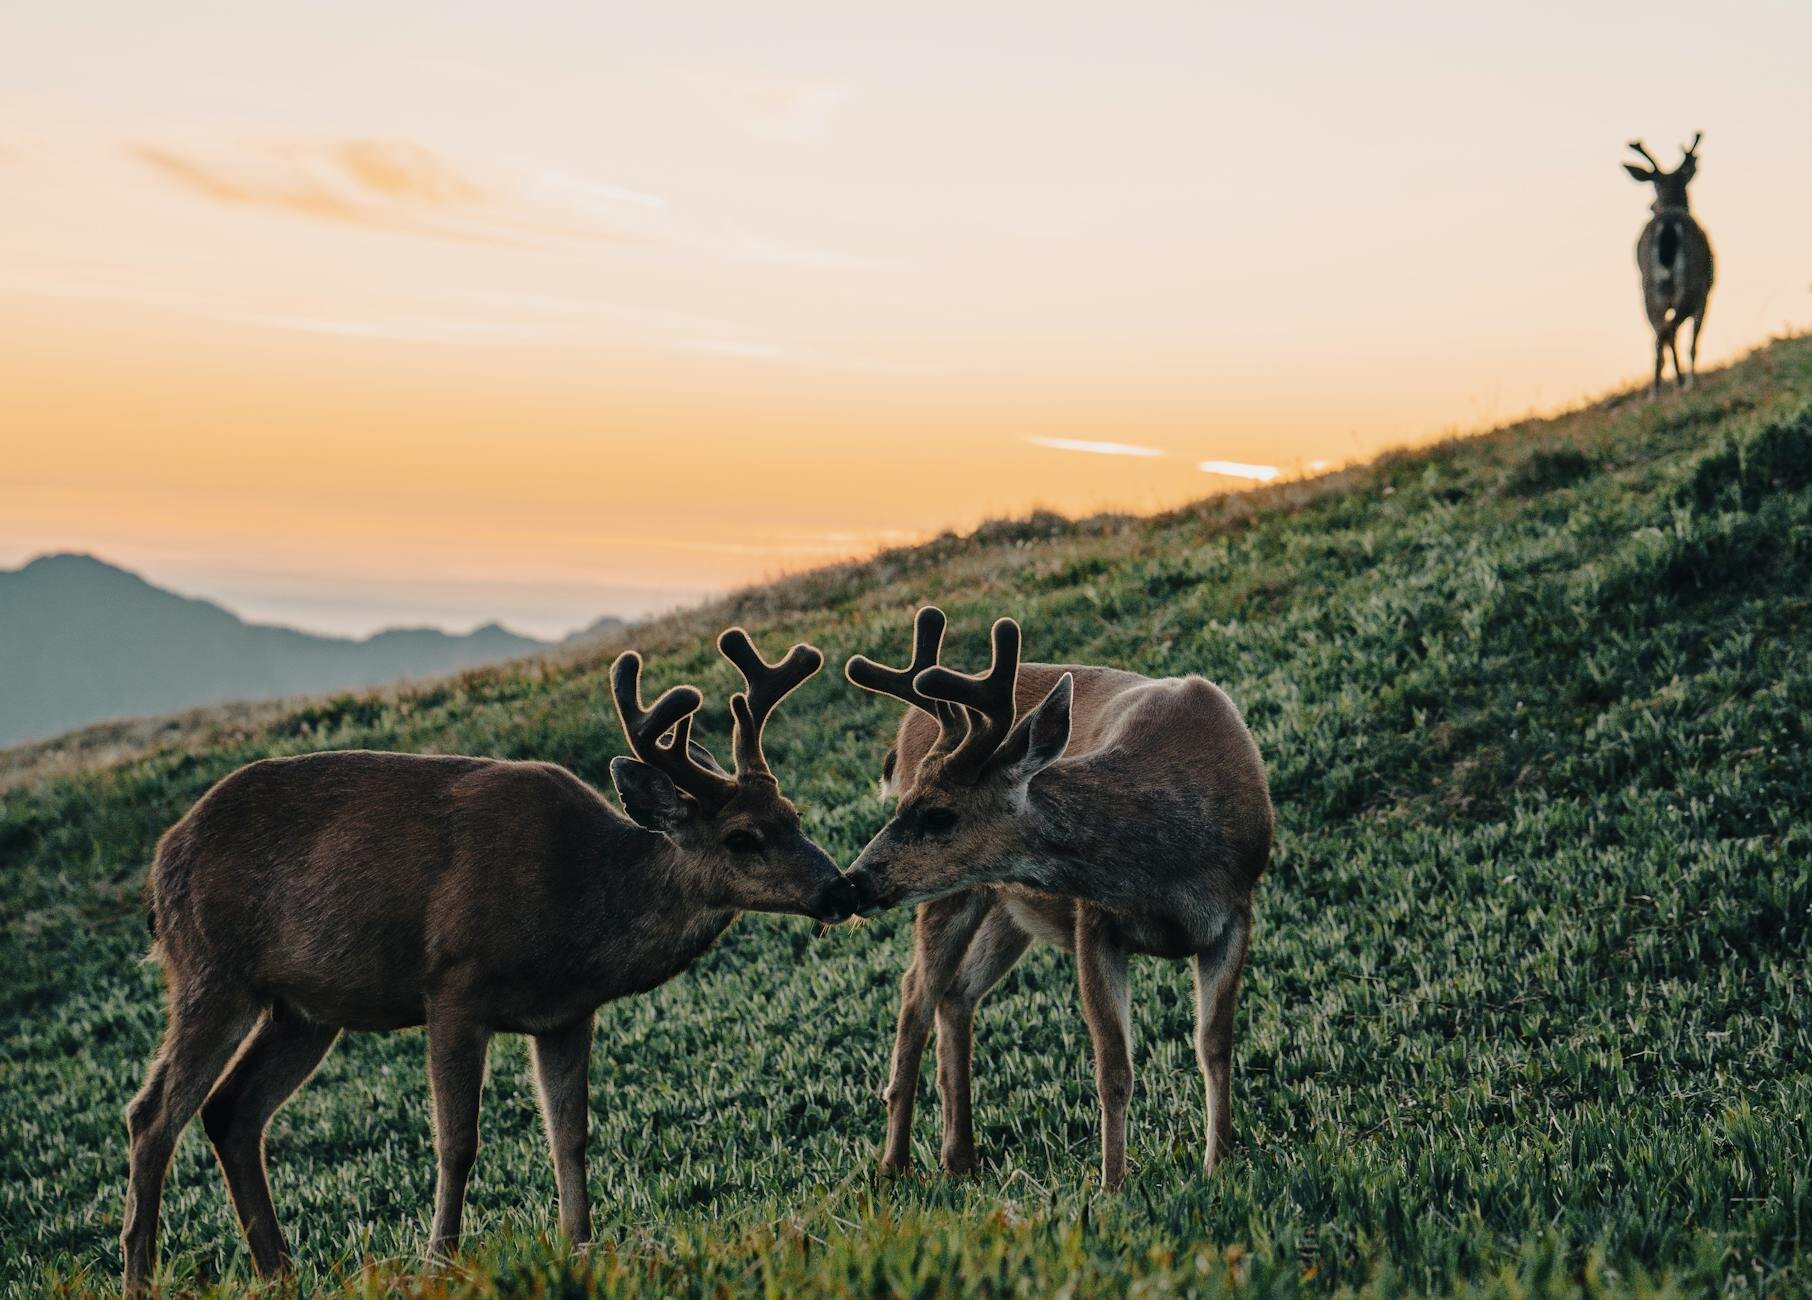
<point>410,329</point>
<point>1239,469</point>
<point>467,330</point>
<point>1096,448</point>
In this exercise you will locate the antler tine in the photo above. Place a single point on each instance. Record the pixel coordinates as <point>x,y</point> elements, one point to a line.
<point>927,639</point>
<point>1692,150</point>
<point>768,684</point>
<point>1649,157</point>
<point>988,698</point>
<point>645,728</point>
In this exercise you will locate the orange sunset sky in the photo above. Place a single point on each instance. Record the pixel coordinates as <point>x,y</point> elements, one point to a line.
<point>355,314</point>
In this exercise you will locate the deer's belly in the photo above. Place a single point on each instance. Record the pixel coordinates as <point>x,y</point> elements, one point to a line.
<point>1043,916</point>
<point>1180,933</point>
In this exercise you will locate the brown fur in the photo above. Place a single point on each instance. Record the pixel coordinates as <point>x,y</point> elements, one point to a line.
<point>1146,836</point>
<point>359,890</point>
<point>1674,258</point>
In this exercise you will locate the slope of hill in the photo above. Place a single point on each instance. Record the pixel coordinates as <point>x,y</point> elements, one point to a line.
<point>1526,1013</point>
<point>82,640</point>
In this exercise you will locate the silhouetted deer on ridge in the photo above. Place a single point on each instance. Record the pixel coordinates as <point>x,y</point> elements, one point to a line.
<point>1674,258</point>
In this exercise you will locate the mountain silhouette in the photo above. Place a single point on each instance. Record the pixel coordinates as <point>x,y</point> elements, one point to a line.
<point>82,640</point>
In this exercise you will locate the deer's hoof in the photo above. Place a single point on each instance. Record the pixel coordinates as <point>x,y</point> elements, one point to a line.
<point>959,1164</point>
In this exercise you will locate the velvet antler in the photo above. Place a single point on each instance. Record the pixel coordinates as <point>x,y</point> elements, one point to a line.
<point>927,639</point>
<point>768,684</point>
<point>987,699</point>
<point>646,728</point>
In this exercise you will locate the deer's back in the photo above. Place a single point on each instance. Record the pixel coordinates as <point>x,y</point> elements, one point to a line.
<point>1674,257</point>
<point>1179,737</point>
<point>348,884</point>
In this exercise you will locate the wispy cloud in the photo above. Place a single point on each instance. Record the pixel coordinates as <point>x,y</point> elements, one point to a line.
<point>1095,448</point>
<point>423,329</point>
<point>778,110</point>
<point>393,185</point>
<point>554,320</point>
<point>1238,469</point>
<point>402,187</point>
<point>760,350</point>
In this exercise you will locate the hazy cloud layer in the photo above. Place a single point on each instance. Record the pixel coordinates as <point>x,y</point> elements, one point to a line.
<point>774,109</point>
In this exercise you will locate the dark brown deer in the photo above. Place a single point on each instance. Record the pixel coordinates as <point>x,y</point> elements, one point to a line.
<point>1118,814</point>
<point>1674,258</point>
<point>358,890</point>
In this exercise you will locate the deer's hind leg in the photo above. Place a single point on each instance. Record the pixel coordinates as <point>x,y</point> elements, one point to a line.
<point>1101,971</point>
<point>206,1027</point>
<point>941,935</point>
<point>278,1058</point>
<point>997,945</point>
<point>1217,974</point>
<point>1698,323</point>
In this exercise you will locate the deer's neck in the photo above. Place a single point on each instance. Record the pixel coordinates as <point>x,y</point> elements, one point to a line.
<point>648,925</point>
<point>1115,842</point>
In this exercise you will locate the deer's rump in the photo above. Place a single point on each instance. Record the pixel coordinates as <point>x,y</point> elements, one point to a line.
<point>1668,253</point>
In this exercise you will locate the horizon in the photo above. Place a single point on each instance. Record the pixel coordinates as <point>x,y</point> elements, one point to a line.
<point>547,315</point>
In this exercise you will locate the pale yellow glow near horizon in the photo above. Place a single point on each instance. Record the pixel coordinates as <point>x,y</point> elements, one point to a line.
<point>352,316</point>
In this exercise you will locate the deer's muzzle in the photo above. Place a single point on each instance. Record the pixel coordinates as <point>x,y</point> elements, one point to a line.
<point>838,901</point>
<point>872,890</point>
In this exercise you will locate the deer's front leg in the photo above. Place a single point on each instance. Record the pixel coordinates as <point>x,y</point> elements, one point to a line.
<point>997,944</point>
<point>456,1052</point>
<point>562,1061</point>
<point>1101,970</point>
<point>941,936</point>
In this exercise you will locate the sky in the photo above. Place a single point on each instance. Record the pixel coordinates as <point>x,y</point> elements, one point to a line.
<point>351,315</point>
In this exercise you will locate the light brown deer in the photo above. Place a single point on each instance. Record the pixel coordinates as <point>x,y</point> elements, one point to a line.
<point>1674,258</point>
<point>358,890</point>
<point>1119,814</point>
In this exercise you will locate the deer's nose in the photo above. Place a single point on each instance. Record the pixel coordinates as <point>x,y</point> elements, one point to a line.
<point>838,901</point>
<point>870,884</point>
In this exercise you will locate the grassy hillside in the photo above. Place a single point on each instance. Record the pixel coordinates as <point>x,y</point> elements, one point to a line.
<point>1529,999</point>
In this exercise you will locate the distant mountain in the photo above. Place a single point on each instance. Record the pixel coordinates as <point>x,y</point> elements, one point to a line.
<point>602,630</point>
<point>82,640</point>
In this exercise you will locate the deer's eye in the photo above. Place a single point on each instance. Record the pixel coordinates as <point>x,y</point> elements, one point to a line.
<point>743,842</point>
<point>938,820</point>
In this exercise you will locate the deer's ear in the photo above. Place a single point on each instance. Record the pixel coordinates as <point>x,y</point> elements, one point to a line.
<point>1038,739</point>
<point>649,795</point>
<point>1642,174</point>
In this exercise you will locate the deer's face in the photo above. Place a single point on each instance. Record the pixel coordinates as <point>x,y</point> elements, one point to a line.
<point>945,836</point>
<point>750,853</point>
<point>739,839</point>
<point>763,861</point>
<point>1670,187</point>
<point>960,825</point>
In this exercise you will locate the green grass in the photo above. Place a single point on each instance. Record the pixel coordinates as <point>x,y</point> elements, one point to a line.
<point>1528,1006</point>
